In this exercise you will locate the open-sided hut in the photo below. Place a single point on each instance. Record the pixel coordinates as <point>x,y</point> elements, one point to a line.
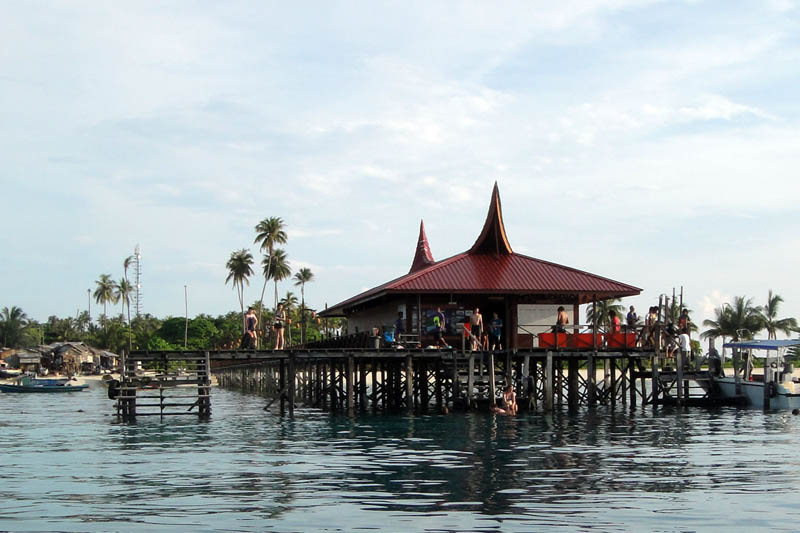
<point>524,291</point>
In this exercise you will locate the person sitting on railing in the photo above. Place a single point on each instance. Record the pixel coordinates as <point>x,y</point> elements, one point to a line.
<point>614,322</point>
<point>561,321</point>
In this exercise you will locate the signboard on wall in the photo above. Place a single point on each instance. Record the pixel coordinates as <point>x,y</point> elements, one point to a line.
<point>533,319</point>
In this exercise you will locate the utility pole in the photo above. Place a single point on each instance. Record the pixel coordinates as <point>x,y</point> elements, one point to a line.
<point>89,298</point>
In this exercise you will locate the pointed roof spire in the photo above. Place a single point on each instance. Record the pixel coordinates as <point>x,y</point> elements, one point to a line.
<point>423,257</point>
<point>493,237</point>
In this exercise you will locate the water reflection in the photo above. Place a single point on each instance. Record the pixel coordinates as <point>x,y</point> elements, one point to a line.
<point>247,469</point>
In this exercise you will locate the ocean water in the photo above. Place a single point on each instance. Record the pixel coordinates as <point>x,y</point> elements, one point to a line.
<point>68,465</point>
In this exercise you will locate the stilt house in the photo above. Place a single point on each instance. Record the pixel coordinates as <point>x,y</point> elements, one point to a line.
<point>524,291</point>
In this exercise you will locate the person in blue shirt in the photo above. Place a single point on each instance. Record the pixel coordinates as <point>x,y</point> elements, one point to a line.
<point>496,328</point>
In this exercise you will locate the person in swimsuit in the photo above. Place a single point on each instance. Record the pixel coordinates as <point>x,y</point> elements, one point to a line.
<point>280,319</point>
<point>251,321</point>
<point>475,327</point>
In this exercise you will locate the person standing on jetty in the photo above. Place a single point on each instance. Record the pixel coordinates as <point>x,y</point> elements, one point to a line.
<point>438,328</point>
<point>632,318</point>
<point>280,320</point>
<point>496,329</point>
<point>475,326</point>
<point>684,322</point>
<point>251,321</point>
<point>399,326</point>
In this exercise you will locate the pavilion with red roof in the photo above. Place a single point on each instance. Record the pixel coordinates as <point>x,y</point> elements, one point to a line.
<point>523,291</point>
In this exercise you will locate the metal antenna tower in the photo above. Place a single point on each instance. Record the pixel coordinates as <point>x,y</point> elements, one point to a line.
<point>137,271</point>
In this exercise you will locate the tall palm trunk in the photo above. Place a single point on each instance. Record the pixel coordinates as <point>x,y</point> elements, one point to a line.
<point>241,304</point>
<point>303,313</point>
<point>263,289</point>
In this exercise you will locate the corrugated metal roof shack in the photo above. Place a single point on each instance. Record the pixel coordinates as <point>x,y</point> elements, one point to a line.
<point>525,292</point>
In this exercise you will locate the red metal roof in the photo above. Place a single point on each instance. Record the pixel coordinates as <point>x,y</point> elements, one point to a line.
<point>498,274</point>
<point>491,267</point>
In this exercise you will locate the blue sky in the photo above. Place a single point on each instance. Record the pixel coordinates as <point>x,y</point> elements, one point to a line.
<point>657,143</point>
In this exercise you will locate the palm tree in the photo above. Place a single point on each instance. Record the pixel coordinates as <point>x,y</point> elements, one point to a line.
<point>123,292</point>
<point>600,311</point>
<point>269,232</point>
<point>771,322</point>
<point>737,322</point>
<point>240,268</point>
<point>279,269</point>
<point>301,277</point>
<point>13,322</point>
<point>104,293</point>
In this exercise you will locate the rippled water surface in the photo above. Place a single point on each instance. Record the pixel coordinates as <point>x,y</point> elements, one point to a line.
<point>68,466</point>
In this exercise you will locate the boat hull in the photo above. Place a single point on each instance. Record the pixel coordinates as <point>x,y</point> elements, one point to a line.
<point>784,398</point>
<point>42,388</point>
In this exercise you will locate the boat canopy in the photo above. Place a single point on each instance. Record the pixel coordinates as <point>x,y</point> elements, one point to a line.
<point>763,344</point>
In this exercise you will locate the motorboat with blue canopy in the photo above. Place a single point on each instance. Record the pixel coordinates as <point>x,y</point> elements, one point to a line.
<point>775,387</point>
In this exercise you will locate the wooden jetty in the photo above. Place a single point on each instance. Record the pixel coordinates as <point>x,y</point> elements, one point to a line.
<point>358,380</point>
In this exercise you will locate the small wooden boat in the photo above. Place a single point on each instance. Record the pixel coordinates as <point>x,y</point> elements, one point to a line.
<point>29,383</point>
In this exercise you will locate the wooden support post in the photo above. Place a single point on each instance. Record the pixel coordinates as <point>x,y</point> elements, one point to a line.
<point>656,379</point>
<point>409,383</point>
<point>317,382</point>
<point>559,378</point>
<point>470,380</point>
<point>509,370</point>
<point>613,379</point>
<point>623,376</point>
<point>291,377</point>
<point>362,384</point>
<point>632,381</point>
<point>350,374</point>
<point>548,382</point>
<point>423,381</point>
<point>492,384</point>
<point>591,379</point>
<point>374,394</point>
<point>282,385</point>
<point>456,386</point>
<point>333,385</point>
<point>572,384</point>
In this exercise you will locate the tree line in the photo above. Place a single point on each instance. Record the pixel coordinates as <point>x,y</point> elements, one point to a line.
<point>737,320</point>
